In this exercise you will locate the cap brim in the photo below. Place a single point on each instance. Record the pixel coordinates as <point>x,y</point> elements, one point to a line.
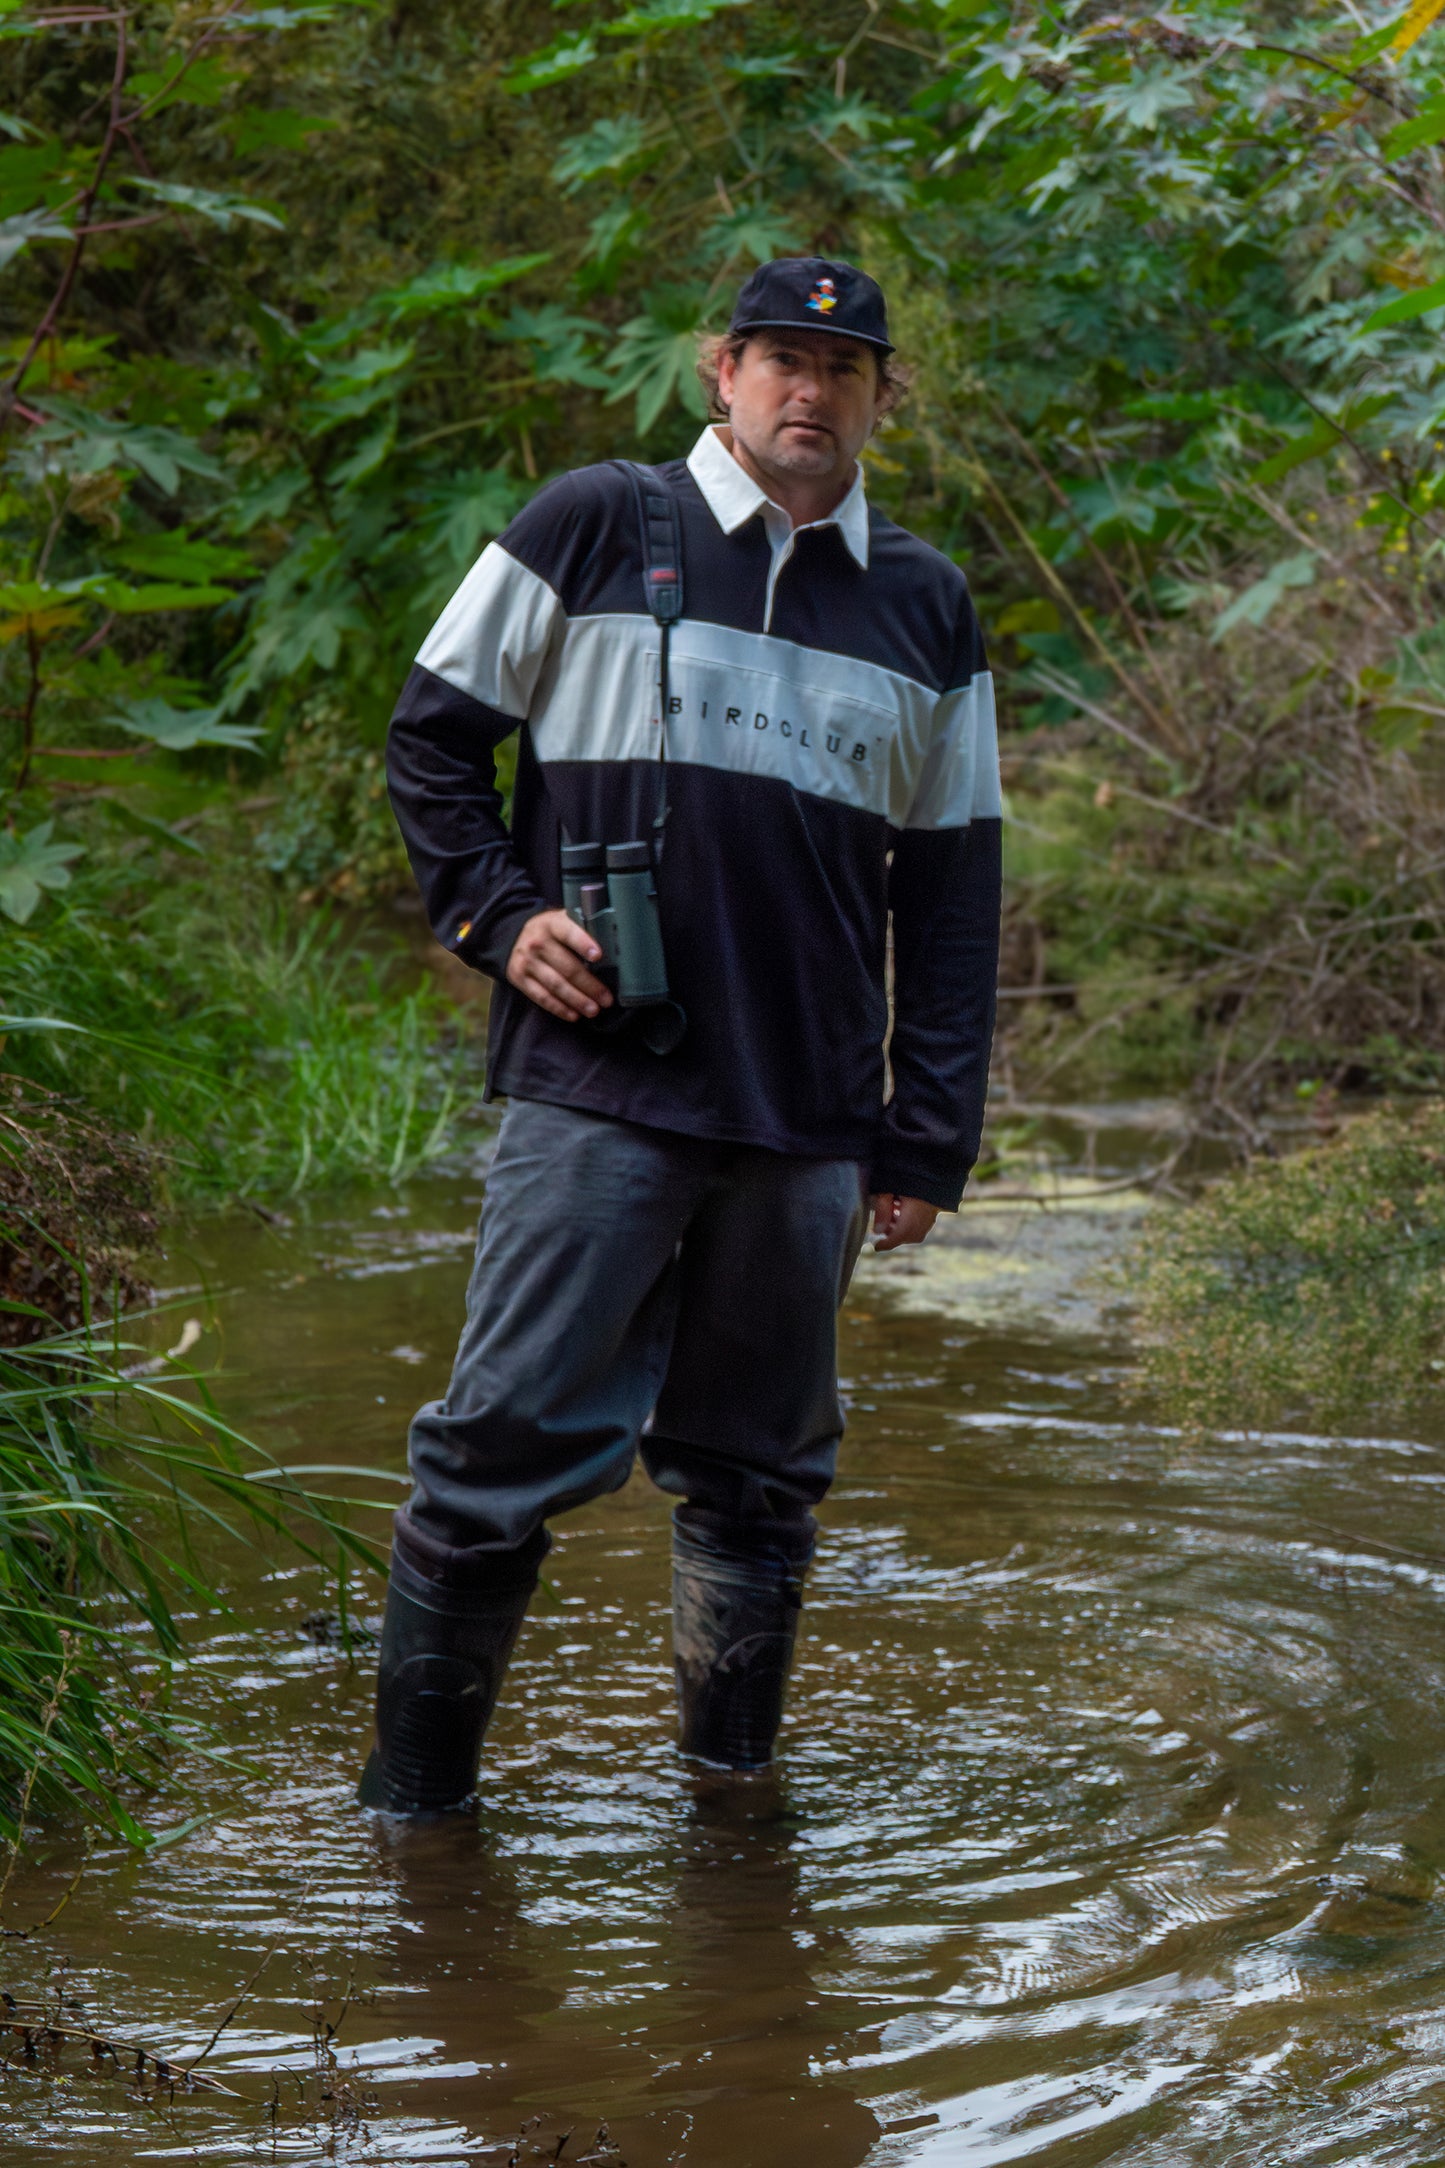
<point>790,323</point>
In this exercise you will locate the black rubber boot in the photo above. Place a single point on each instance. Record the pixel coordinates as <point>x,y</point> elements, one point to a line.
<point>444,1649</point>
<point>734,1623</point>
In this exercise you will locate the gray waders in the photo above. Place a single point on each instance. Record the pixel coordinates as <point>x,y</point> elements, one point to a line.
<point>634,1291</point>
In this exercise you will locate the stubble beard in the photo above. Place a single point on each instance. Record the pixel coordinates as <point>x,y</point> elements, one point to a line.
<point>790,461</point>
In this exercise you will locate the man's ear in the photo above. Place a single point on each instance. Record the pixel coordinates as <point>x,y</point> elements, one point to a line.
<point>726,371</point>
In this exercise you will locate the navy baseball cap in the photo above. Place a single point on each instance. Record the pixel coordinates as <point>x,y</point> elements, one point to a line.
<point>810,293</point>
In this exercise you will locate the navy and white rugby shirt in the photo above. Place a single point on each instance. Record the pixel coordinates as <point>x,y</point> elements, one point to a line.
<point>831,759</point>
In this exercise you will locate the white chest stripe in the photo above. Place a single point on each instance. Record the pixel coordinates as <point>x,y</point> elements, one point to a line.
<point>745,702</point>
<point>825,724</point>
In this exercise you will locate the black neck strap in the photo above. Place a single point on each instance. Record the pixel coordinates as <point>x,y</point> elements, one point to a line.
<point>661,530</point>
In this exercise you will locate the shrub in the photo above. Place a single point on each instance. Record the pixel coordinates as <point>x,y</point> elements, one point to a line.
<point>1309,1289</point>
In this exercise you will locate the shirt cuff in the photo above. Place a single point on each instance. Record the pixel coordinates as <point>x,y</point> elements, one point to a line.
<point>488,944</point>
<point>905,1176</point>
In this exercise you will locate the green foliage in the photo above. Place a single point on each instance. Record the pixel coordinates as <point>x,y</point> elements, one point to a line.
<point>333,832</point>
<point>1310,1289</point>
<point>30,864</point>
<point>291,346</point>
<point>289,397</point>
<point>109,1478</point>
<point>260,1050</point>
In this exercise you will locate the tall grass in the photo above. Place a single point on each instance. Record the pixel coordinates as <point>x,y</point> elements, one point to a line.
<point>260,1048</point>
<point>236,1050</point>
<point>116,1468</point>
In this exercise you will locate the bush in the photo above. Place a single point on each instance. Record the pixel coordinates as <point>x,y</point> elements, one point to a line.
<point>1310,1289</point>
<point>334,834</point>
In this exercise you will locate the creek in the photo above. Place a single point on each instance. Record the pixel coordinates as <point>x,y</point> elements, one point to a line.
<point>1108,1826</point>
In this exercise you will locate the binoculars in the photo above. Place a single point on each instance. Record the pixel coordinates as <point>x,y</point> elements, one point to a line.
<point>609,890</point>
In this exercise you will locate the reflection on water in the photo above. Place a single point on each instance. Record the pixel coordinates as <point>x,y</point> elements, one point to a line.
<point>1109,1828</point>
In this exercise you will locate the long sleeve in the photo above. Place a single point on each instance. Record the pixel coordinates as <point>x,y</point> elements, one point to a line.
<point>944,896</point>
<point>471,686</point>
<point>442,773</point>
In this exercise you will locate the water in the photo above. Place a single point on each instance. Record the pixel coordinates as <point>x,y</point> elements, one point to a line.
<point>1109,1825</point>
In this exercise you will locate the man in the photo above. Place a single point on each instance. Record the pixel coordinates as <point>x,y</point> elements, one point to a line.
<point>669,1228</point>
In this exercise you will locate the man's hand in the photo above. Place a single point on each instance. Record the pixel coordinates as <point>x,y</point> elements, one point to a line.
<point>549,962</point>
<point>897,1220</point>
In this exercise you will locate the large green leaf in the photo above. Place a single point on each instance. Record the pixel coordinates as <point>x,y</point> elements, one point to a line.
<point>30,864</point>
<point>181,730</point>
<point>1428,126</point>
<point>561,345</point>
<point>659,15</point>
<point>564,57</point>
<point>1261,596</point>
<point>656,357</point>
<point>465,509</point>
<point>1407,307</point>
<point>157,595</point>
<point>755,232</point>
<point>92,443</point>
<point>218,209</point>
<point>180,555</point>
<point>448,287</point>
<point>184,82</point>
<point>607,147</point>
<point>18,232</point>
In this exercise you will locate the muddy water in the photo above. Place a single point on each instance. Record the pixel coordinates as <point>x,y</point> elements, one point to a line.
<point>1109,1826</point>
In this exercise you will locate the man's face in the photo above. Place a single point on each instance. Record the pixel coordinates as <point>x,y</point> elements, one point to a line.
<point>801,403</point>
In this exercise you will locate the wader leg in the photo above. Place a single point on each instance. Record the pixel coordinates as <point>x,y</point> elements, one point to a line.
<point>445,1645</point>
<point>746,1431</point>
<point>734,1623</point>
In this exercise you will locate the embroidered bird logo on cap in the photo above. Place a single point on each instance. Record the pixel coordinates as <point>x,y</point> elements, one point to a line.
<point>823,297</point>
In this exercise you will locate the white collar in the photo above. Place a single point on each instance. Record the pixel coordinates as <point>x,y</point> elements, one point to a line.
<point>733,496</point>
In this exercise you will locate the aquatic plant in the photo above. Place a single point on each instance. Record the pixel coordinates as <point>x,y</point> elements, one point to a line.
<point>1307,1289</point>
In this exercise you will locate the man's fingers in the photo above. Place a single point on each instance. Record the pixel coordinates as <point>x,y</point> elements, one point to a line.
<point>901,1220</point>
<point>549,962</point>
<point>576,937</point>
<point>570,993</point>
<point>564,964</point>
<point>538,993</point>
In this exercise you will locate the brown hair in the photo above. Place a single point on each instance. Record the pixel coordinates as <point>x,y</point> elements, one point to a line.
<point>894,376</point>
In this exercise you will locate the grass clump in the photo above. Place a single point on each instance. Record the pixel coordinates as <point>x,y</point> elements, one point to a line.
<point>116,1471</point>
<point>254,1047</point>
<point>114,1466</point>
<point>1310,1289</point>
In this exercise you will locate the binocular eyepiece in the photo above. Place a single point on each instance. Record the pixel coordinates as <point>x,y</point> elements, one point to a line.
<point>609,890</point>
